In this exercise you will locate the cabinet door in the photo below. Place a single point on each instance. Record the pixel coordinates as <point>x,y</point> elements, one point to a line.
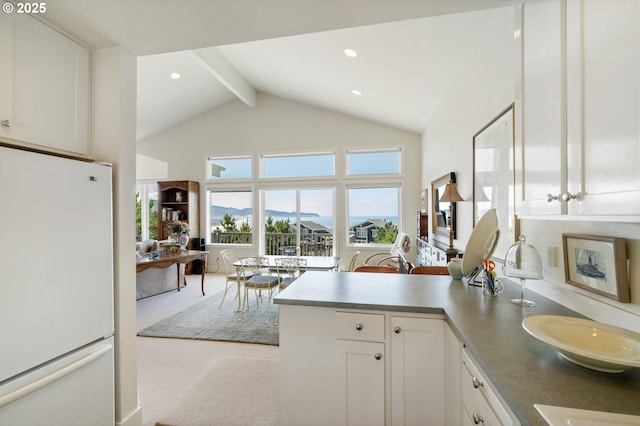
<point>417,374</point>
<point>603,106</point>
<point>543,135</point>
<point>44,87</point>
<point>360,388</point>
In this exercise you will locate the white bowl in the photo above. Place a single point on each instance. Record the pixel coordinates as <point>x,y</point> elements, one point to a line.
<point>591,344</point>
<point>563,416</point>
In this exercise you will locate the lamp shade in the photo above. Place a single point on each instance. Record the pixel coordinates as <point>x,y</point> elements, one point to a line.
<point>451,193</point>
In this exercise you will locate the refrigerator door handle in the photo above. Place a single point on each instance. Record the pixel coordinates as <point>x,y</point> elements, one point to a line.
<point>38,384</point>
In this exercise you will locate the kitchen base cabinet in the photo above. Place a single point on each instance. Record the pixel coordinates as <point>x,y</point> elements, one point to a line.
<point>359,395</point>
<point>417,377</point>
<point>360,367</point>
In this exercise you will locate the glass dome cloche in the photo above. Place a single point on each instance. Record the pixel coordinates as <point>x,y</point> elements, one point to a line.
<point>522,261</point>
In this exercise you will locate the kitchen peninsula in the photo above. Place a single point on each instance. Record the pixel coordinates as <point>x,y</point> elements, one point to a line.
<point>316,317</point>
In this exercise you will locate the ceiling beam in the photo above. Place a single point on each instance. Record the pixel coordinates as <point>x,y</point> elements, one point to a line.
<point>215,63</point>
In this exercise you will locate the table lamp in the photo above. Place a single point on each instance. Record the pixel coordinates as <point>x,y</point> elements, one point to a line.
<point>522,261</point>
<point>451,195</point>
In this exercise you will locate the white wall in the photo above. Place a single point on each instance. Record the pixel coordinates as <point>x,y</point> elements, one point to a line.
<point>281,126</point>
<point>482,90</point>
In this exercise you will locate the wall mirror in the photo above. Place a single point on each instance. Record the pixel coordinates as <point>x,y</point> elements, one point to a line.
<point>494,177</point>
<point>443,213</point>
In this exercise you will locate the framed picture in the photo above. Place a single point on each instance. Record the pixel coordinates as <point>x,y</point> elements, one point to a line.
<point>597,264</point>
<point>494,177</point>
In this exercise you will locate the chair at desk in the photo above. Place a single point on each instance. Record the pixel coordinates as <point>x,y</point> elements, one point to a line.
<point>288,270</point>
<point>376,268</point>
<point>229,256</point>
<point>391,258</point>
<point>352,263</point>
<point>429,270</point>
<point>255,274</point>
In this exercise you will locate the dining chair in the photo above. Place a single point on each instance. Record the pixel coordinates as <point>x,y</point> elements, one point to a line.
<point>376,268</point>
<point>352,263</point>
<point>288,270</point>
<point>229,257</point>
<point>429,270</point>
<point>254,272</point>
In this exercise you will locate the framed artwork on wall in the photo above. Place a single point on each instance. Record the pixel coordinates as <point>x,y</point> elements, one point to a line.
<point>597,264</point>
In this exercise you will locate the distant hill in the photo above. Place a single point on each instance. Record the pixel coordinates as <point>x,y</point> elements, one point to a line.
<point>219,211</point>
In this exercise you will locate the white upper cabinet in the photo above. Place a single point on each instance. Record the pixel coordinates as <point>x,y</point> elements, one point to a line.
<point>44,88</point>
<point>603,106</point>
<point>543,138</point>
<point>580,141</point>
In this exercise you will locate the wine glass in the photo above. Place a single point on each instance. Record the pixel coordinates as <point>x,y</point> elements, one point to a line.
<point>522,261</point>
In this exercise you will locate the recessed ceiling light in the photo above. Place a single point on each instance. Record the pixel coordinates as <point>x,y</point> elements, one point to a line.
<point>175,75</point>
<point>356,92</point>
<point>350,53</point>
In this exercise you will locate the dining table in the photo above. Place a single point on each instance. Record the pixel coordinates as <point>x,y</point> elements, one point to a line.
<point>314,263</point>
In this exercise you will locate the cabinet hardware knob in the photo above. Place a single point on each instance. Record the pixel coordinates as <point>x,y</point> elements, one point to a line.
<point>477,419</point>
<point>359,326</point>
<point>6,123</point>
<point>378,356</point>
<point>397,330</point>
<point>551,197</point>
<point>567,196</point>
<point>476,383</point>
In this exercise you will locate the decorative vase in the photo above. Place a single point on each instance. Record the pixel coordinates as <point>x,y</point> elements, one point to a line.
<point>182,239</point>
<point>455,268</point>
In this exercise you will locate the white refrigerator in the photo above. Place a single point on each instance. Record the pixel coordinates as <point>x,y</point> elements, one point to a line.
<point>56,291</point>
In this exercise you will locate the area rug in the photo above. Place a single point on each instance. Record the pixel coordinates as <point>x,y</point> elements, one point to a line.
<point>236,391</point>
<point>205,321</point>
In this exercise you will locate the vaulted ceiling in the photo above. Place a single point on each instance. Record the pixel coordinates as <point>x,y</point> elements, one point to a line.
<point>409,52</point>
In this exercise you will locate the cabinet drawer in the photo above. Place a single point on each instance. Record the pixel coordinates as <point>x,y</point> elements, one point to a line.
<point>476,407</point>
<point>478,396</point>
<point>359,326</point>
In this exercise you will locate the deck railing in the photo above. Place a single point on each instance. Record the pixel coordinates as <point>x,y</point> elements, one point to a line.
<point>311,244</point>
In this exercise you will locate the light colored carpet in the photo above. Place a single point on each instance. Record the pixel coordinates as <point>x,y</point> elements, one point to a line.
<point>205,321</point>
<point>215,399</point>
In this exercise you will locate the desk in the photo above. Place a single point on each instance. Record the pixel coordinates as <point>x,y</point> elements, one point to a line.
<point>184,257</point>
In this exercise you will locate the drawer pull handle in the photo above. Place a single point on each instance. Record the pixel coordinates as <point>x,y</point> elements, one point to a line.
<point>397,330</point>
<point>476,383</point>
<point>6,123</point>
<point>477,419</point>
<point>359,327</point>
<point>378,356</point>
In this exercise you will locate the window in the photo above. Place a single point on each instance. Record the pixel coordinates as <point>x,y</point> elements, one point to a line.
<point>231,217</point>
<point>373,214</point>
<point>373,162</point>
<point>229,168</point>
<point>146,211</point>
<point>299,221</point>
<point>303,165</point>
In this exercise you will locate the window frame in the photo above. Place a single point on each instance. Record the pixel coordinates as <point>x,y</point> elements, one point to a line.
<point>395,183</point>
<point>288,154</point>
<point>211,189</point>
<point>210,179</point>
<point>348,152</point>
